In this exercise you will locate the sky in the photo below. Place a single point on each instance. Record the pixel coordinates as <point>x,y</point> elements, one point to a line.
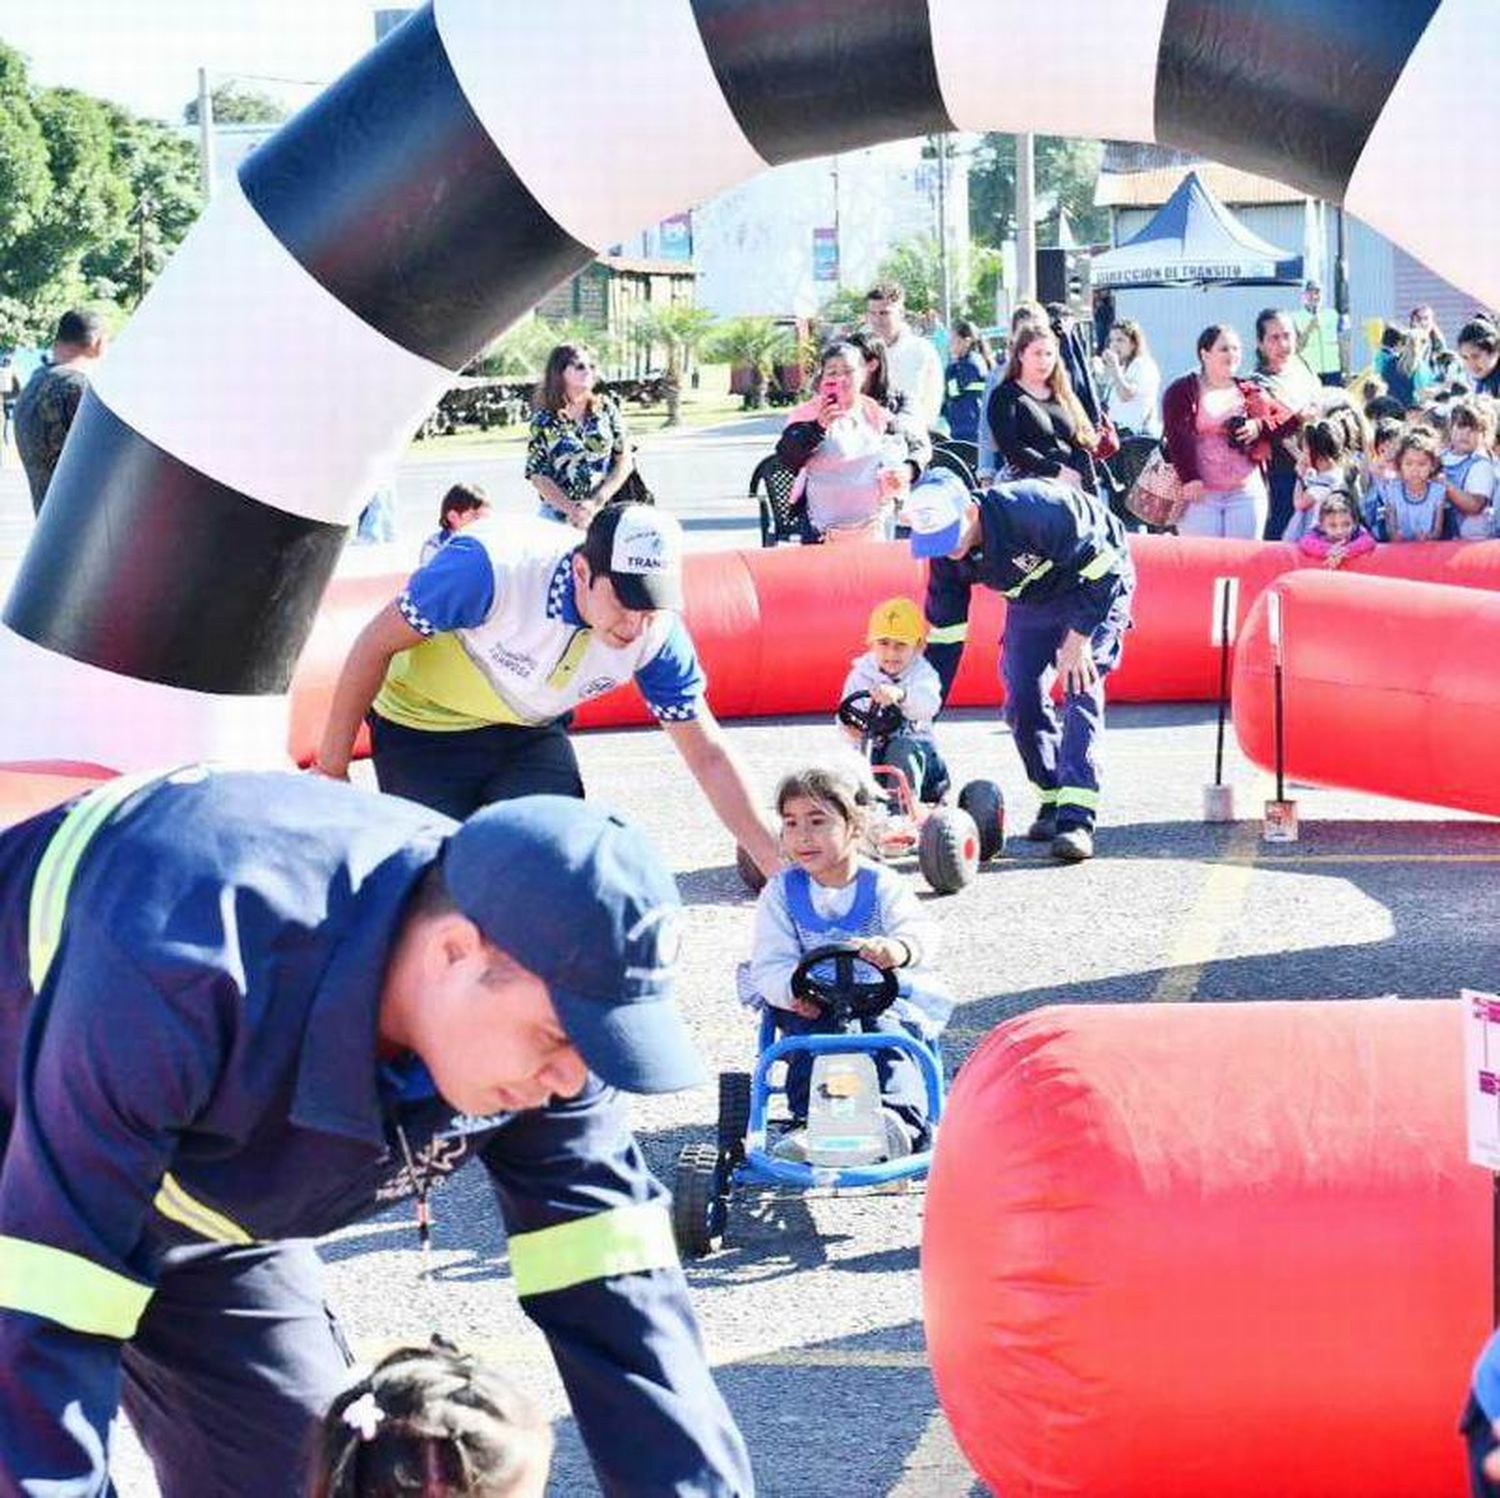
<point>145,54</point>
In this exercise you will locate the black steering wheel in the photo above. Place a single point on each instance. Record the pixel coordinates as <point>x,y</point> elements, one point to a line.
<point>842,984</point>
<point>860,712</point>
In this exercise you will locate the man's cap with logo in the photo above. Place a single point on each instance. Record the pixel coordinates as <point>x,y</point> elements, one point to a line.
<point>935,511</point>
<point>580,898</point>
<point>897,619</point>
<point>640,549</point>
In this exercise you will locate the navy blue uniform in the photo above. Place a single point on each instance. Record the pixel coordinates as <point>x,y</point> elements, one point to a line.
<point>192,1082</point>
<point>1060,559</point>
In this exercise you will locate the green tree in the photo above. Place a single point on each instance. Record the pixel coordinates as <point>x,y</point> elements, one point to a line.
<point>161,170</point>
<point>1067,171</point>
<point>916,267</point>
<point>754,343</point>
<point>87,203</point>
<point>233,105</point>
<point>679,330</point>
<point>25,183</point>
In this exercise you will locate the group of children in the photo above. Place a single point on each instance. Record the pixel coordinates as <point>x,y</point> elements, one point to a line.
<point>1432,478</point>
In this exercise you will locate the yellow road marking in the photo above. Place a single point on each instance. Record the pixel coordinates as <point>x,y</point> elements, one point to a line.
<point>936,1467</point>
<point>1202,930</point>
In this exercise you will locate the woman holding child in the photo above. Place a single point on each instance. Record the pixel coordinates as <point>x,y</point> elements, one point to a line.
<point>1219,432</point>
<point>852,456</point>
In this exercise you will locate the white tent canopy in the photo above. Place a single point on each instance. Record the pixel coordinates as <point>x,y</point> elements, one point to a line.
<point>1194,240</point>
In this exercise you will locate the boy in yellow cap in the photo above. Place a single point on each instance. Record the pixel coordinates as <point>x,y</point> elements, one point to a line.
<point>896,674</point>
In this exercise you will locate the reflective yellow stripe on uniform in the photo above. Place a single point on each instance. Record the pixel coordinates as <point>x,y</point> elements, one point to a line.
<point>59,863</point>
<point>625,1240</point>
<point>1036,572</point>
<point>1048,797</point>
<point>1077,795</point>
<point>948,634</point>
<point>1101,564</point>
<point>174,1202</point>
<point>68,1289</point>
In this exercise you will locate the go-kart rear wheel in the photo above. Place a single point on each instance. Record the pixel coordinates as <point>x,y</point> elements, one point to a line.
<point>700,1200</point>
<point>948,852</point>
<point>983,801</point>
<point>750,872</point>
<point>734,1114</point>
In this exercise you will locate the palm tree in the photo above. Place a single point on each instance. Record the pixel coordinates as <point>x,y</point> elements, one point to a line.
<point>756,343</point>
<point>679,330</point>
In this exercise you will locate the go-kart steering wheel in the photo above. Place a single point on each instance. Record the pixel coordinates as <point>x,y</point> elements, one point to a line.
<point>860,712</point>
<point>842,984</point>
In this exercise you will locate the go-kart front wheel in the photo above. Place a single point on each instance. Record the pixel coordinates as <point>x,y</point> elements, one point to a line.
<point>948,852</point>
<point>983,801</point>
<point>700,1200</point>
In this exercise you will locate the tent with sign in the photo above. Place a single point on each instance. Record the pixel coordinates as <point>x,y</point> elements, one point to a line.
<point>1195,263</point>
<point>1194,240</point>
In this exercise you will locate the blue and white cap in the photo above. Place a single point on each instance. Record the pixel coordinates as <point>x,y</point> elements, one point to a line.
<point>935,511</point>
<point>580,898</point>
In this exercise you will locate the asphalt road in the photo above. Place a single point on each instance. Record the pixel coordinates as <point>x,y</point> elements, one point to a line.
<point>812,1311</point>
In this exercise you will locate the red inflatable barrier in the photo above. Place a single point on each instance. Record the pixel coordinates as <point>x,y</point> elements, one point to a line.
<point>1388,686</point>
<point>776,629</point>
<point>1223,1248</point>
<point>30,786</point>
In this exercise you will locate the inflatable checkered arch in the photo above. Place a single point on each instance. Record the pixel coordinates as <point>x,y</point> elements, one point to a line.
<point>484,152</point>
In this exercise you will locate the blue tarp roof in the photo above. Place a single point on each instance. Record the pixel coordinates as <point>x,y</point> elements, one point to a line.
<point>1194,239</point>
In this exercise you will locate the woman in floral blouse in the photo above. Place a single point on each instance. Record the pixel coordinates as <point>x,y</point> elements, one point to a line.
<point>579,454</point>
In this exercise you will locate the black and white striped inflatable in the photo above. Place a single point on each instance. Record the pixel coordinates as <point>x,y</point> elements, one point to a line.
<point>482,154</point>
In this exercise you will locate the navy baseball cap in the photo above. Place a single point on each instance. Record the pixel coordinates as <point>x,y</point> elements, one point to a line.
<point>580,898</point>
<point>935,511</point>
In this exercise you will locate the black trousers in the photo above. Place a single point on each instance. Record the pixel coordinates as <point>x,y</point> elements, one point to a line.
<point>457,773</point>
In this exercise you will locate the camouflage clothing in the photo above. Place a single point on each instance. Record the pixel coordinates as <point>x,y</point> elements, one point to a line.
<point>44,414</point>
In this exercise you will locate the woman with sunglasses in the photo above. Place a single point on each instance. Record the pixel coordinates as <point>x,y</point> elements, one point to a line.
<point>579,455</point>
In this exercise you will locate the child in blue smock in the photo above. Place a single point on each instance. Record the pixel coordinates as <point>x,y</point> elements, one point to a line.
<point>831,893</point>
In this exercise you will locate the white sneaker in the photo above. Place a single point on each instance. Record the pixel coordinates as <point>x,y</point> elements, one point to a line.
<point>791,1147</point>
<point>897,1136</point>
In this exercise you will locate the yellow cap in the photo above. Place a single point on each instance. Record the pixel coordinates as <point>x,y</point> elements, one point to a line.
<point>897,619</point>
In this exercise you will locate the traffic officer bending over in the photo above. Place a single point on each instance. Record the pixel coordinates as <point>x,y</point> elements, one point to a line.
<point>238,1011</point>
<point>1059,557</point>
<point>474,670</point>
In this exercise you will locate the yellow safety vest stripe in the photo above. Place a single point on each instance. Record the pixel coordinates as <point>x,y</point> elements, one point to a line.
<point>68,1289</point>
<point>948,634</point>
<point>1101,564</point>
<point>173,1201</point>
<point>624,1240</point>
<point>1036,572</point>
<point>1077,795</point>
<point>59,863</point>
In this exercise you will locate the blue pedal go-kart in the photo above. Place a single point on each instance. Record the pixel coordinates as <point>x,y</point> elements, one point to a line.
<point>847,988</point>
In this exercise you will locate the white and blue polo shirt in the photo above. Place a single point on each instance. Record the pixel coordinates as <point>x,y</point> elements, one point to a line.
<point>505,642</point>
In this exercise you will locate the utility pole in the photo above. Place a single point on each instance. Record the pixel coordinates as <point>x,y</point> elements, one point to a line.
<point>1026,217</point>
<point>1341,292</point>
<point>838,244</point>
<point>143,209</point>
<point>205,134</point>
<point>940,141</point>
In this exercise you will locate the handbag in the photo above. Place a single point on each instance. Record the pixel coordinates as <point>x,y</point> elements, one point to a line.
<point>1156,496</point>
<point>1108,443</point>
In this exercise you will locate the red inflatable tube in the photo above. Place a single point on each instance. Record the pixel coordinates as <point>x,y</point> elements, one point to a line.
<point>1388,687</point>
<point>30,786</point>
<point>1234,1249</point>
<point>776,629</point>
